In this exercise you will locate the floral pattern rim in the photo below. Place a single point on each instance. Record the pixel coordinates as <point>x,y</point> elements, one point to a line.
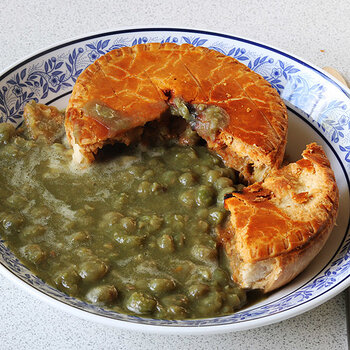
<point>46,77</point>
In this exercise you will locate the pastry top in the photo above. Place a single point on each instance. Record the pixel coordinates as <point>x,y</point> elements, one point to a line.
<point>287,212</point>
<point>138,82</point>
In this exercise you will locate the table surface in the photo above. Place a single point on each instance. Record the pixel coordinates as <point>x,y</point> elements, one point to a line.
<point>318,32</point>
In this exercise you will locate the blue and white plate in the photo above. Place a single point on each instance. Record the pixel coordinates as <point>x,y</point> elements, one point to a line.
<point>319,110</point>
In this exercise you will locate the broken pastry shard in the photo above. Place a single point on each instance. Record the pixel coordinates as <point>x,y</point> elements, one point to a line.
<point>139,83</point>
<point>43,121</point>
<point>278,226</point>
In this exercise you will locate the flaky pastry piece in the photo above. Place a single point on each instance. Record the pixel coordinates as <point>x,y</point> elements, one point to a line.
<point>278,226</point>
<point>130,86</point>
<point>43,121</point>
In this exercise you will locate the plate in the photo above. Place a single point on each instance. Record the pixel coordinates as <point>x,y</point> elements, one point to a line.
<point>318,108</point>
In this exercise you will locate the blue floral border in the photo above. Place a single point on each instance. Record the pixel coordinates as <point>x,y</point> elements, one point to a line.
<point>51,74</point>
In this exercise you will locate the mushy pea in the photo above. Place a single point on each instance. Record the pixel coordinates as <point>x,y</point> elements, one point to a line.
<point>134,233</point>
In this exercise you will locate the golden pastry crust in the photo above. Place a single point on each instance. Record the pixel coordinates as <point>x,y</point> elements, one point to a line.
<point>139,82</point>
<point>278,226</point>
<point>44,121</point>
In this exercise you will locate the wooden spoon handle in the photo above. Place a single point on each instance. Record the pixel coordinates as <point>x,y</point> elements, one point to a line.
<point>335,74</point>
